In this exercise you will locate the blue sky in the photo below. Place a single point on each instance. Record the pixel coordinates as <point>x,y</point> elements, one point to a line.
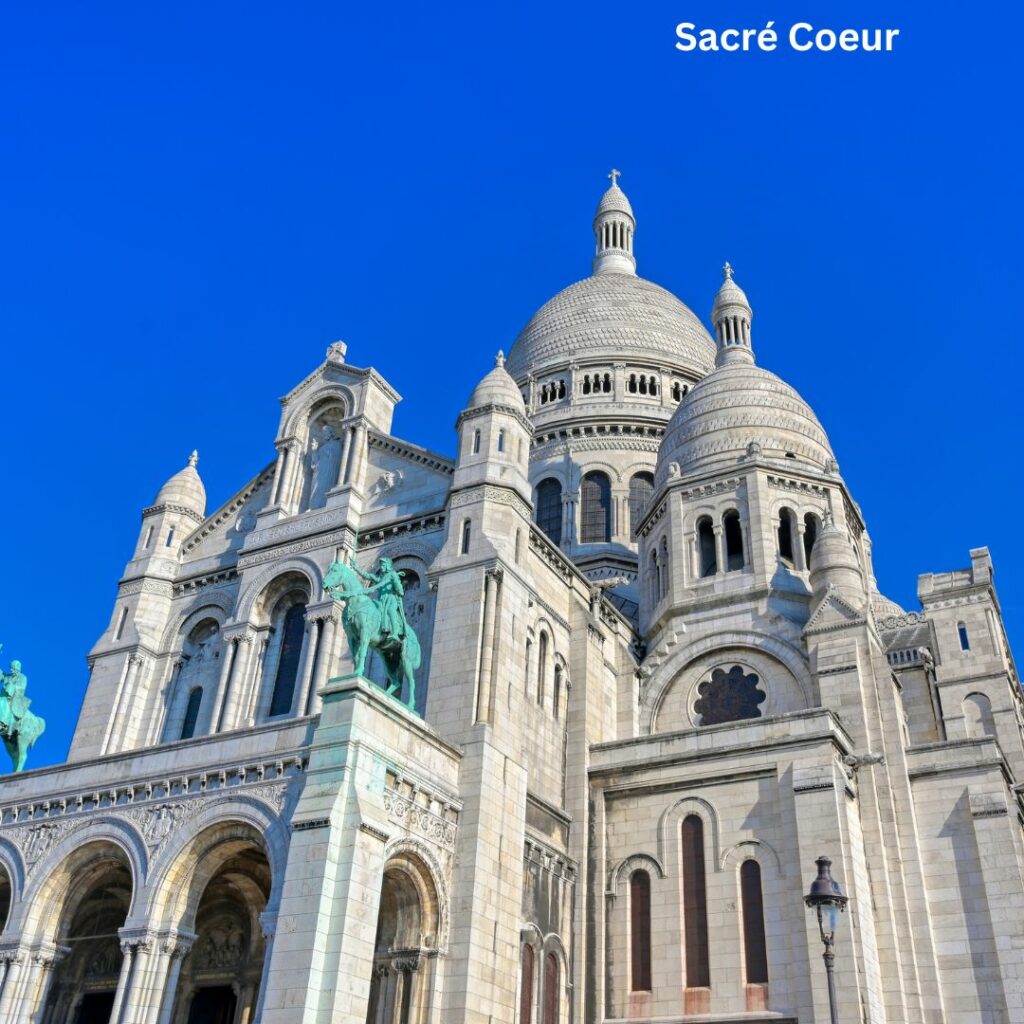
<point>197,199</point>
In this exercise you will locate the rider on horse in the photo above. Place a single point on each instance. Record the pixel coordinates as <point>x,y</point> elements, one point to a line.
<point>390,591</point>
<point>13,710</point>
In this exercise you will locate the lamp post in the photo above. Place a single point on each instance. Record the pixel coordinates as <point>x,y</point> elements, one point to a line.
<point>826,897</point>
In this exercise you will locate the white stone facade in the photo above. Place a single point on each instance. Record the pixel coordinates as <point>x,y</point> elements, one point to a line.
<point>658,681</point>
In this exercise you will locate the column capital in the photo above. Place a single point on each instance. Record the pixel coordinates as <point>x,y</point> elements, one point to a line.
<point>177,944</point>
<point>49,954</point>
<point>239,631</point>
<point>134,940</point>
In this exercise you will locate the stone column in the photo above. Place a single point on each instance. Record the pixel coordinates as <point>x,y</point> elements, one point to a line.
<point>258,676</point>
<point>328,644</point>
<point>175,948</point>
<point>268,924</point>
<point>569,502</point>
<point>799,555</point>
<point>484,697</point>
<point>31,1001</point>
<point>309,649</point>
<point>160,721</point>
<point>14,970</point>
<point>359,458</point>
<point>280,472</point>
<point>224,685</point>
<point>719,550</point>
<point>619,381</point>
<point>116,729</point>
<point>237,695</point>
<point>128,947</point>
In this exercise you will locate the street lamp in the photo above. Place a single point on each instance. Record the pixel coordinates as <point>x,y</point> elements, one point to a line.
<point>827,898</point>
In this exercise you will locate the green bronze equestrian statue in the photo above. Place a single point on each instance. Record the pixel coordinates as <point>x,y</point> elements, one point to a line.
<point>379,624</point>
<point>19,728</point>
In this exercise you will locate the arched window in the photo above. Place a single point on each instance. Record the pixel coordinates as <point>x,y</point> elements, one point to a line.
<point>476,442</point>
<point>586,385</point>
<point>695,904</point>
<point>786,523</point>
<point>549,508</point>
<point>663,566</point>
<point>501,440</point>
<point>467,528</point>
<point>526,985</point>
<point>542,666</point>
<point>641,490</point>
<point>812,526</point>
<point>978,716</point>
<point>529,665</point>
<point>755,952</point>
<point>170,538</point>
<point>195,698</point>
<point>640,931</point>
<point>631,386</point>
<point>550,989</point>
<point>653,584</point>
<point>292,631</point>
<point>733,541</point>
<point>706,547</point>
<point>965,642</point>
<point>557,691</point>
<point>596,521</point>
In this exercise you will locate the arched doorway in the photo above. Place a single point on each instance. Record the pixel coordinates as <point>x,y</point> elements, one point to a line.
<point>96,886</point>
<point>6,896</point>
<point>227,891</point>
<point>405,949</point>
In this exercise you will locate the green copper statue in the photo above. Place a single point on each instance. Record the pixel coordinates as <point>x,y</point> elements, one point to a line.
<point>378,623</point>
<point>19,728</point>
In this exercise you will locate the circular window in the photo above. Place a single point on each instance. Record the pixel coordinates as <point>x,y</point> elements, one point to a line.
<point>729,695</point>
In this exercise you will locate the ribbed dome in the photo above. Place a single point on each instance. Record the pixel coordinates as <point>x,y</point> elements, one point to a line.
<point>614,201</point>
<point>185,488</point>
<point>733,406</point>
<point>616,316</point>
<point>497,388</point>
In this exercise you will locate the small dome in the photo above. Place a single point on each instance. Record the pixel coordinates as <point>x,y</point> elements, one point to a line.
<point>884,607</point>
<point>834,560</point>
<point>733,406</point>
<point>497,388</point>
<point>614,201</point>
<point>612,316</point>
<point>730,294</point>
<point>185,488</point>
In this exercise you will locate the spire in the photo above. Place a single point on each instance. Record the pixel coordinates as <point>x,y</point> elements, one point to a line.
<point>731,316</point>
<point>614,225</point>
<point>193,459</point>
<point>499,359</point>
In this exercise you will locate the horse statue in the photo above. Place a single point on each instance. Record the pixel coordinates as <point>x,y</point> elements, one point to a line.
<point>19,727</point>
<point>378,624</point>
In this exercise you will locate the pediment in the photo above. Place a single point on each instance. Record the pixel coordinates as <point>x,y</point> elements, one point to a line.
<point>833,612</point>
<point>224,531</point>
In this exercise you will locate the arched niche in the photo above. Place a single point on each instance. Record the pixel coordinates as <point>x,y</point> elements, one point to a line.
<point>280,613</point>
<point>406,944</point>
<point>326,447</point>
<point>217,888</point>
<point>91,892</point>
<point>194,682</point>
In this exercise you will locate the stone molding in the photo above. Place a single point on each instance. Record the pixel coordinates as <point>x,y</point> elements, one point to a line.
<point>490,492</point>
<point>155,808</point>
<point>228,509</point>
<point>428,522</point>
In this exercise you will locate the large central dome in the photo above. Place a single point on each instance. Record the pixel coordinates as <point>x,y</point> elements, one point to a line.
<point>612,316</point>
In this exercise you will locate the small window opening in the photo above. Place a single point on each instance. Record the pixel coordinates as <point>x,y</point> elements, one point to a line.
<point>170,538</point>
<point>706,546</point>
<point>640,931</point>
<point>195,698</point>
<point>121,623</point>
<point>786,536</point>
<point>965,643</point>
<point>501,440</point>
<point>464,546</point>
<point>810,534</point>
<point>476,442</point>
<point>149,537</point>
<point>733,541</point>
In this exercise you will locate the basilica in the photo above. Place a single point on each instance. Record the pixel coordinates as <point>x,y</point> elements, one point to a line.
<point>655,680</point>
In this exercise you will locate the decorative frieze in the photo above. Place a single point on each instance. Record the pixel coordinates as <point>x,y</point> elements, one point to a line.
<point>416,809</point>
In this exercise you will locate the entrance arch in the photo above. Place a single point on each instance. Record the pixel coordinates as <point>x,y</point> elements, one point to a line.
<point>406,946</point>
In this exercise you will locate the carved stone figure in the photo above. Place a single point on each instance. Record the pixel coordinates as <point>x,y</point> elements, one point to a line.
<point>379,623</point>
<point>19,727</point>
<point>325,465</point>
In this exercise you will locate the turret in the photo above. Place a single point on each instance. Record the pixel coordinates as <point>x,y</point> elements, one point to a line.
<point>614,225</point>
<point>494,435</point>
<point>179,507</point>
<point>731,316</point>
<point>834,562</point>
